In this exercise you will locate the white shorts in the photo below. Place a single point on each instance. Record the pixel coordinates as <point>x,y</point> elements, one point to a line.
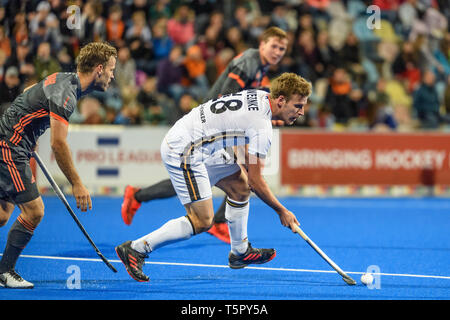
<point>193,183</point>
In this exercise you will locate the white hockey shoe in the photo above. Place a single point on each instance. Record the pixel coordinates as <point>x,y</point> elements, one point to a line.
<point>11,279</point>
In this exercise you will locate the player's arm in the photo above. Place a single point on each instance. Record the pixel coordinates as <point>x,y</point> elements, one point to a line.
<point>235,81</point>
<point>260,187</point>
<point>61,150</point>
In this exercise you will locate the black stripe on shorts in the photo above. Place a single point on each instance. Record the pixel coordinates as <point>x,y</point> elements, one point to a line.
<point>191,183</point>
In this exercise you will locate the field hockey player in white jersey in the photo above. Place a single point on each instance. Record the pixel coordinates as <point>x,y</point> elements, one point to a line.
<point>191,152</point>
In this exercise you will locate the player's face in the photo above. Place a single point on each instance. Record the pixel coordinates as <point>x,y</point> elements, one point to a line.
<point>105,75</point>
<point>293,109</point>
<point>273,50</point>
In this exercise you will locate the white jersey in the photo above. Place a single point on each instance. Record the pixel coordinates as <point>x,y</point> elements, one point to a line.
<point>231,120</point>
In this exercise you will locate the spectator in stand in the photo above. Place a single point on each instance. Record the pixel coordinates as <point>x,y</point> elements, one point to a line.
<point>328,57</point>
<point>195,80</point>
<point>5,43</point>
<point>212,40</point>
<point>216,21</point>
<point>65,60</point>
<point>161,42</point>
<point>426,102</point>
<point>147,97</point>
<point>381,114</point>
<point>426,59</point>
<point>160,10</point>
<point>278,17</point>
<point>180,27</point>
<point>219,64</point>
<point>92,23</point>
<point>350,54</point>
<point>407,14</point>
<point>388,8</point>
<point>359,102</point>
<point>22,59</point>
<point>234,40</point>
<point>308,56</point>
<point>43,15</point>
<point>115,27</point>
<point>319,10</point>
<point>45,27</point>
<point>170,72</point>
<point>187,102</point>
<point>441,53</point>
<point>242,21</point>
<point>91,111</point>
<point>10,87</point>
<point>130,114</point>
<point>337,98</point>
<point>139,28</point>
<point>208,43</point>
<point>20,31</point>
<point>138,38</point>
<point>44,63</point>
<point>141,5</point>
<point>405,66</point>
<point>306,23</point>
<point>125,73</point>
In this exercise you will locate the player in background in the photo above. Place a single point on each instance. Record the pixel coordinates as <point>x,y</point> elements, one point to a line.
<point>240,119</point>
<point>48,103</point>
<point>247,70</point>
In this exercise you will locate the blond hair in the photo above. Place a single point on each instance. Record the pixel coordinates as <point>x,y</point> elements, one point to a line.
<point>273,32</point>
<point>94,54</point>
<point>289,84</point>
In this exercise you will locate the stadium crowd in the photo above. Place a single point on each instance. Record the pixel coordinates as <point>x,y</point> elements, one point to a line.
<point>391,73</point>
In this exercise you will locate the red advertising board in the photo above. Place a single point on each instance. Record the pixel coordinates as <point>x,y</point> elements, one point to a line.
<point>364,158</point>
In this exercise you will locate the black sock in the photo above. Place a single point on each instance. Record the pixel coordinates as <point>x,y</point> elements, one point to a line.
<point>219,216</point>
<point>160,190</point>
<point>18,237</point>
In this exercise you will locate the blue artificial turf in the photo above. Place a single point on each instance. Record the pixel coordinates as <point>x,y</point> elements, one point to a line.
<point>407,239</point>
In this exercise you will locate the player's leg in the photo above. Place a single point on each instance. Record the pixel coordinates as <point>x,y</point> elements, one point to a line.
<point>133,253</point>
<point>18,184</point>
<point>133,197</point>
<point>236,211</point>
<point>6,209</point>
<point>19,236</point>
<point>161,190</point>
<point>197,220</point>
<point>194,191</point>
<point>219,214</point>
<point>219,228</point>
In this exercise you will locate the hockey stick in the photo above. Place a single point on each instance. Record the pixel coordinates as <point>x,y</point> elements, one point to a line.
<point>348,280</point>
<point>64,200</point>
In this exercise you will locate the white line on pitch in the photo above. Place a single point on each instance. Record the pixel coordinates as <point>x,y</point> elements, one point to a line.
<point>225,266</point>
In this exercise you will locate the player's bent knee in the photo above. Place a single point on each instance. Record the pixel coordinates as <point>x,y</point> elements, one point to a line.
<point>239,193</point>
<point>3,221</point>
<point>33,211</point>
<point>204,225</point>
<point>236,187</point>
<point>6,209</point>
<point>200,224</point>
